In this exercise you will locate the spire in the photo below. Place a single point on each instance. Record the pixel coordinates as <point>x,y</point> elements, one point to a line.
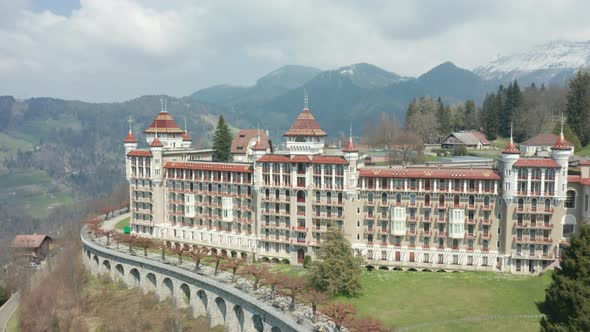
<point>511,147</point>
<point>185,136</point>
<point>161,104</point>
<point>259,145</point>
<point>561,143</point>
<point>130,137</point>
<point>305,100</point>
<point>156,142</point>
<point>350,147</point>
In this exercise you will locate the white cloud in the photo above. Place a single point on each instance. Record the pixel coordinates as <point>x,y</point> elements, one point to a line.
<point>119,49</point>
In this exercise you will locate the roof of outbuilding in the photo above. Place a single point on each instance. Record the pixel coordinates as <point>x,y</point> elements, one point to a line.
<point>31,241</point>
<point>240,143</point>
<point>543,140</point>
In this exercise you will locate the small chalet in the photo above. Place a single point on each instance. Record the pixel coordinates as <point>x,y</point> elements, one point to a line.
<point>248,140</point>
<point>34,246</point>
<point>470,139</point>
<point>540,145</point>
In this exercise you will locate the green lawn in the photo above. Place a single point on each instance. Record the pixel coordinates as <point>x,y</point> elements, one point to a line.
<point>123,223</point>
<point>410,298</point>
<point>12,325</point>
<point>17,179</point>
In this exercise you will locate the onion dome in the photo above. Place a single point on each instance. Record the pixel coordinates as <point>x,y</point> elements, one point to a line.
<point>305,125</point>
<point>186,137</point>
<point>130,138</point>
<point>156,143</point>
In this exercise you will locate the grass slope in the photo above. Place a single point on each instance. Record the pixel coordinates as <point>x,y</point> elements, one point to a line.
<point>411,298</point>
<point>123,223</point>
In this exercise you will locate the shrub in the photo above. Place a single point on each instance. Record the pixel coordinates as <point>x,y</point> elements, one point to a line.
<point>307,261</point>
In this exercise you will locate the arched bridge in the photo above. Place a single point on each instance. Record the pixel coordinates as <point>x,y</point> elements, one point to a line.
<point>222,304</point>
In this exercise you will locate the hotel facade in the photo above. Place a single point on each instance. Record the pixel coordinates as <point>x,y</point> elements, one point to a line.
<point>278,205</point>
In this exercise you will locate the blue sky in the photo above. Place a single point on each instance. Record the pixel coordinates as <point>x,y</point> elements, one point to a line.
<point>113,50</point>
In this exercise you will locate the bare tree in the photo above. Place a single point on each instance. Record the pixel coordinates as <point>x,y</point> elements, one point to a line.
<point>314,297</point>
<point>340,313</point>
<point>292,286</point>
<point>257,272</point>
<point>197,254</point>
<point>233,264</point>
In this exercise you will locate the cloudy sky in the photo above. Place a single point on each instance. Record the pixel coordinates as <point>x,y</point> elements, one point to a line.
<point>112,50</point>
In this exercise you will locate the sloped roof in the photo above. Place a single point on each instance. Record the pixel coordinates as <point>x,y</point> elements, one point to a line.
<point>164,123</point>
<point>350,147</point>
<point>511,148</point>
<point>140,153</point>
<point>470,137</point>
<point>130,138</point>
<point>30,241</point>
<point>305,125</point>
<point>211,166</point>
<point>543,140</point>
<point>434,173</point>
<point>537,162</point>
<point>240,143</point>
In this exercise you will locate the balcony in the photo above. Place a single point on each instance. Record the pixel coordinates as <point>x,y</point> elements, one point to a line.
<point>486,236</point>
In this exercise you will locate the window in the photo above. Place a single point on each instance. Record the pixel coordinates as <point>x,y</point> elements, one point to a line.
<point>470,260</point>
<point>426,258</point>
<point>484,261</point>
<point>441,259</point>
<point>570,199</point>
<point>455,259</point>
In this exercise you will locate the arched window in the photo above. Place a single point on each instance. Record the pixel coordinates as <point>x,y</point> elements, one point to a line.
<point>471,200</point>
<point>470,243</point>
<point>519,249</point>
<point>426,241</point>
<point>266,193</point>
<point>239,190</point>
<point>532,250</point>
<point>277,194</point>
<point>384,198</point>
<point>301,196</point>
<point>485,244</point>
<point>317,196</point>
<point>427,200</point>
<point>398,198</point>
<point>441,242</point>
<point>441,199</point>
<point>570,199</point>
<point>456,200</point>
<point>547,204</point>
<point>287,194</point>
<point>569,225</point>
<point>370,197</point>
<point>339,198</point>
<point>520,203</point>
<point>412,198</point>
<point>534,204</point>
<point>329,197</point>
<point>455,244</point>
<point>370,238</point>
<point>486,200</point>
<point>383,239</point>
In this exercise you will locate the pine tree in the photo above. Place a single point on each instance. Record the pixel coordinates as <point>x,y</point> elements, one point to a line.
<point>471,117</point>
<point>443,116</point>
<point>567,299</point>
<point>490,117</point>
<point>578,106</point>
<point>338,271</point>
<point>222,141</point>
<point>503,123</point>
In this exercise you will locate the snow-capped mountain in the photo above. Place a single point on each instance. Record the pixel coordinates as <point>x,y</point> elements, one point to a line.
<point>552,62</point>
<point>369,76</point>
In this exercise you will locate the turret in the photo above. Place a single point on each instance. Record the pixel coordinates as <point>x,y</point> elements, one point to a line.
<point>561,152</point>
<point>187,141</point>
<point>305,135</point>
<point>130,144</point>
<point>170,135</point>
<point>510,156</point>
<point>157,164</point>
<point>259,149</point>
<point>351,154</point>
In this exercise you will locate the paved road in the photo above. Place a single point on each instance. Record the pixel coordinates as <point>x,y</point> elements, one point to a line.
<point>7,310</point>
<point>110,224</point>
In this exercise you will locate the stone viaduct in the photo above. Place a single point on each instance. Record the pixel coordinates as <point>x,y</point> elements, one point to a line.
<point>222,304</point>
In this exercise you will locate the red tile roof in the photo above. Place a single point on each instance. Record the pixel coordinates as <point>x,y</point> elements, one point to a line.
<point>350,147</point>
<point>29,241</point>
<point>511,149</point>
<point>584,163</point>
<point>140,153</point>
<point>211,166</point>
<point>240,143</point>
<point>543,140</point>
<point>274,158</point>
<point>130,138</point>
<point>481,136</point>
<point>578,179</point>
<point>438,173</point>
<point>305,125</point>
<point>156,143</point>
<point>536,162</point>
<point>186,137</point>
<point>164,123</point>
<point>562,144</point>
<point>329,160</point>
<point>300,159</point>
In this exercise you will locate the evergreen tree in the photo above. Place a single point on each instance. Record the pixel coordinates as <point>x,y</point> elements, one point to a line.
<point>443,116</point>
<point>338,271</point>
<point>471,118</point>
<point>567,299</point>
<point>503,122</point>
<point>578,106</point>
<point>490,117</point>
<point>222,141</point>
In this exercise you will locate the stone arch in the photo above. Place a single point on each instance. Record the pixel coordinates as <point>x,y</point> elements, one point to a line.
<point>185,292</point>
<point>167,288</point>
<point>275,260</point>
<point>275,329</point>
<point>88,254</point>
<point>134,277</point>
<point>121,271</point>
<point>265,260</point>
<point>233,254</point>
<point>258,323</point>
<point>286,261</point>
<point>239,312</point>
<point>95,259</point>
<point>152,283</point>
<point>218,312</point>
<point>370,267</point>
<point>383,268</point>
<point>106,266</point>
<point>201,303</point>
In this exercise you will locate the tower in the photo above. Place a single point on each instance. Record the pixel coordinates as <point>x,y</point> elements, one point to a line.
<point>187,141</point>
<point>170,135</point>
<point>305,135</point>
<point>510,156</point>
<point>560,152</point>
<point>351,154</point>
<point>130,144</point>
<point>259,149</point>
